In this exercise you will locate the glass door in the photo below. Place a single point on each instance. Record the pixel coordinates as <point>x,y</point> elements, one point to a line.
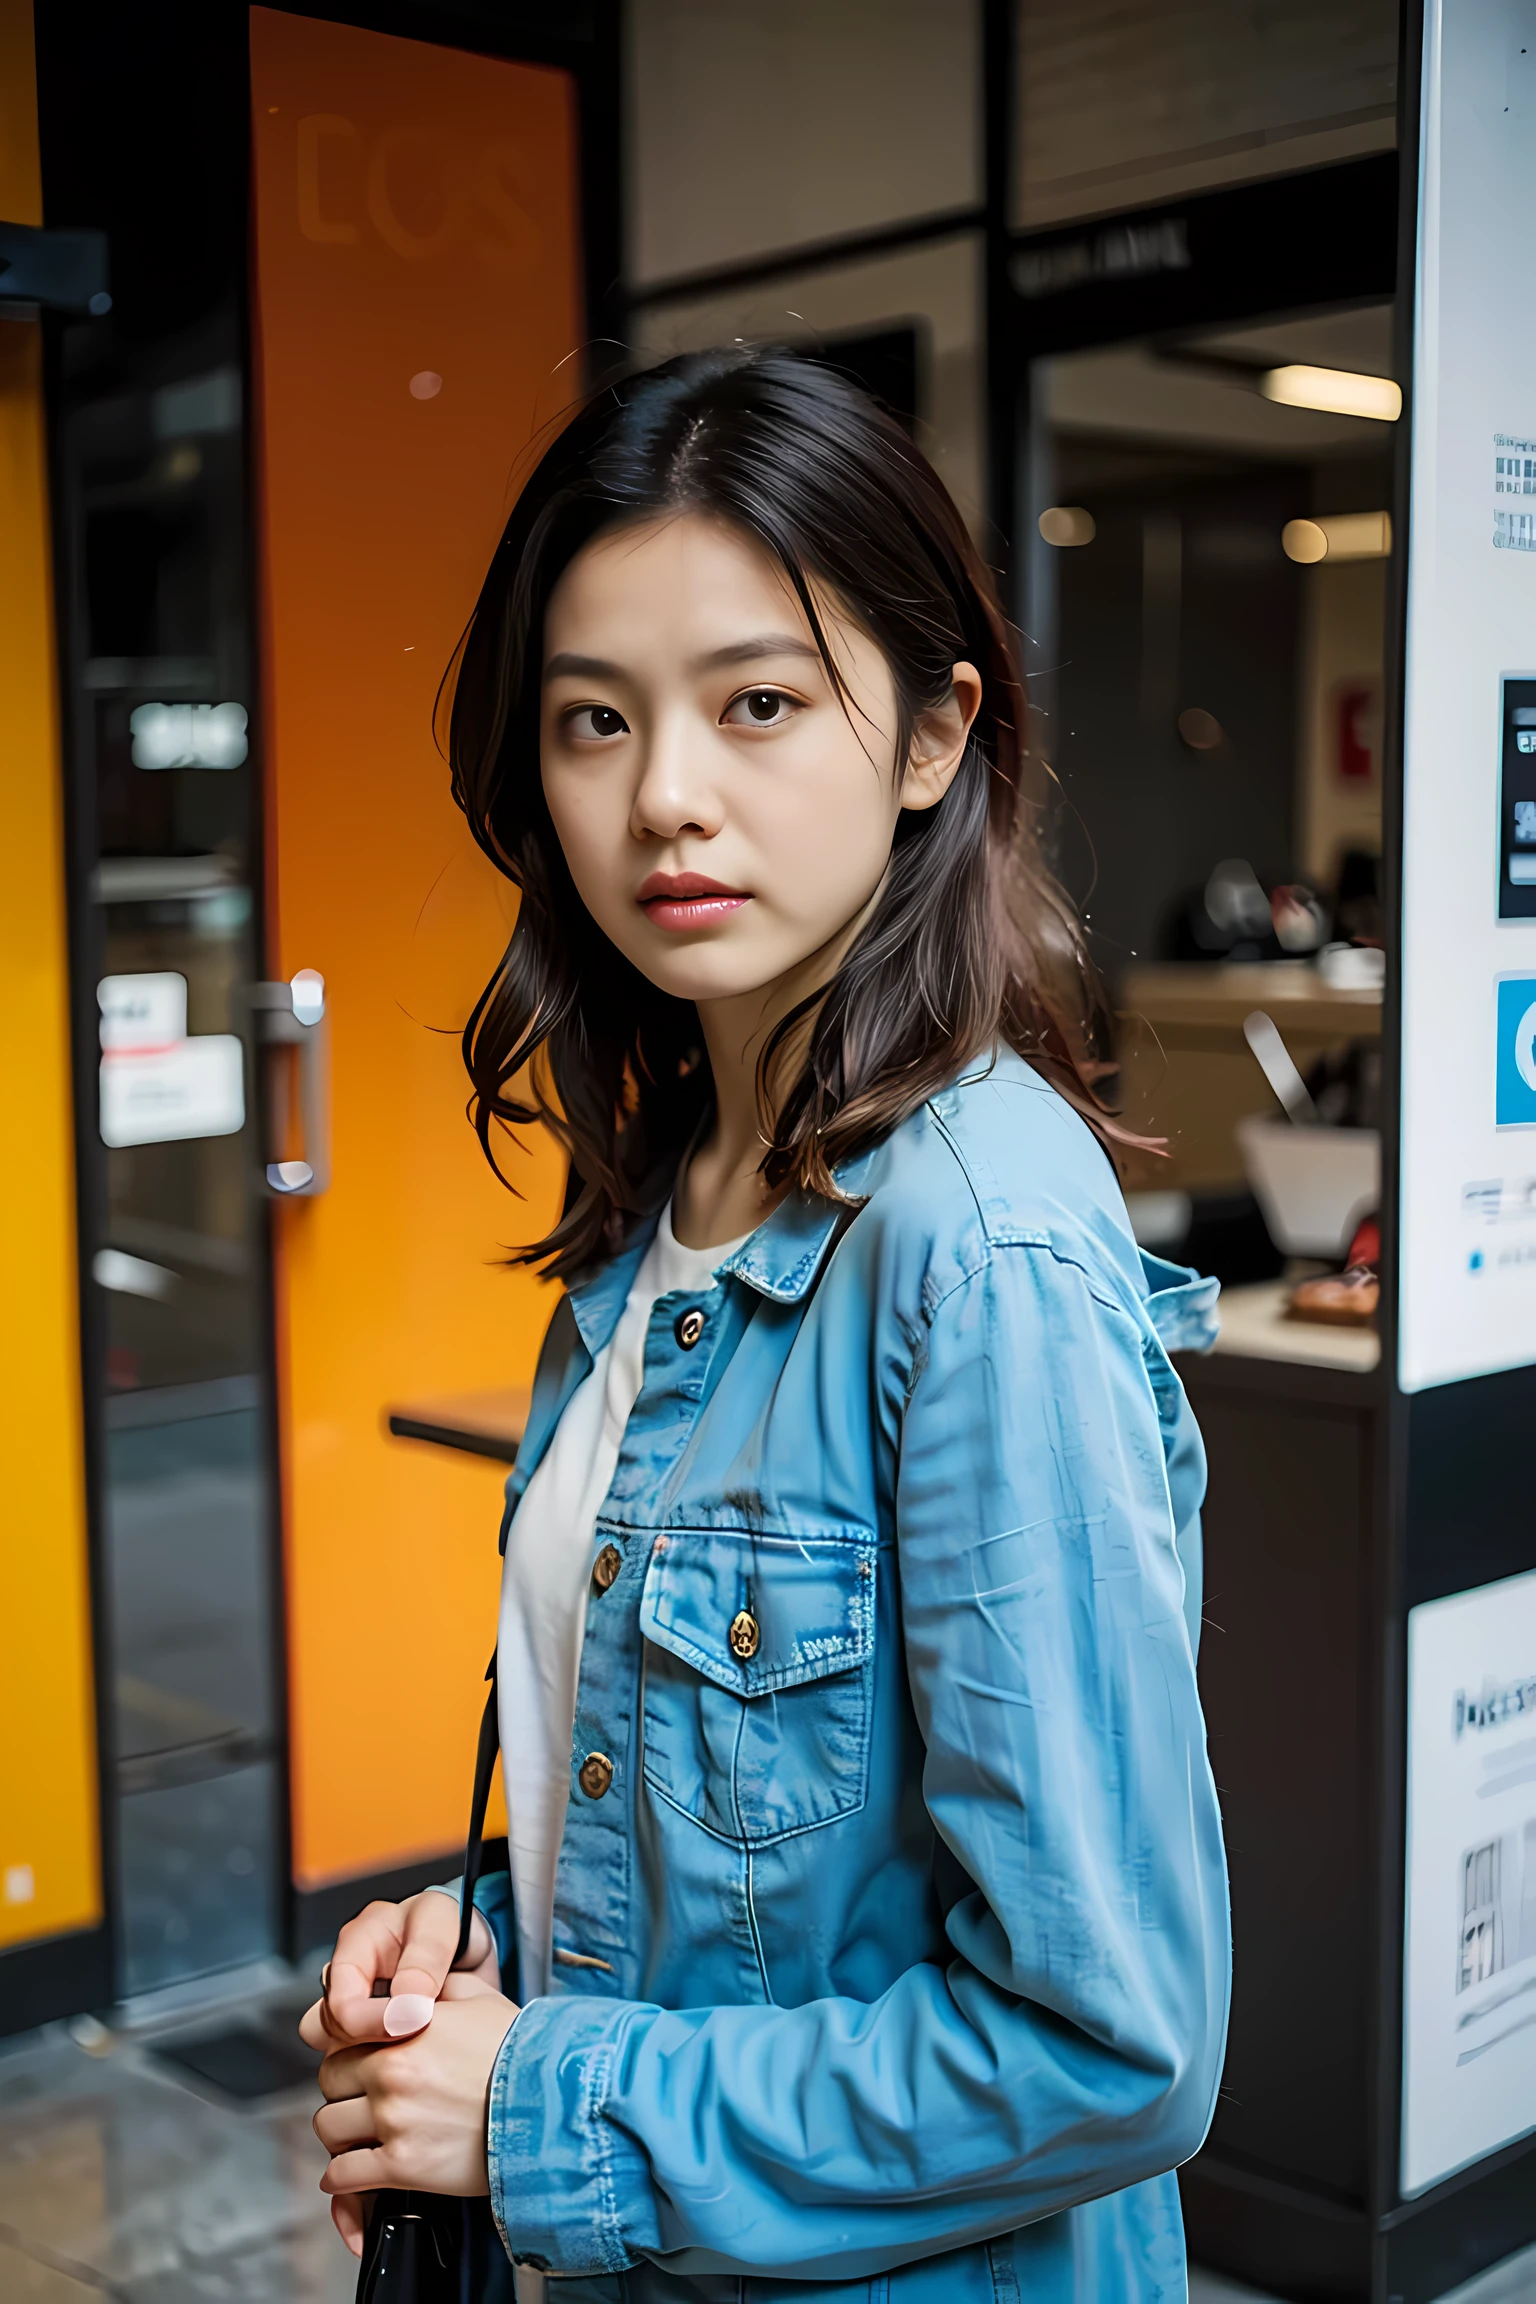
<point>158,662</point>
<point>347,275</point>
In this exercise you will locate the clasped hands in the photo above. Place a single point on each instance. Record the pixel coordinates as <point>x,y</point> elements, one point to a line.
<point>406,2080</point>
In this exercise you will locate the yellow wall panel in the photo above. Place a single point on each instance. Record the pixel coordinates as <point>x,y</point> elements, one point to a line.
<point>49,1843</point>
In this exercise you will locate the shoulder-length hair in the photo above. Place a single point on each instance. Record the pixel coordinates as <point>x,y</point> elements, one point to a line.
<point>971,941</point>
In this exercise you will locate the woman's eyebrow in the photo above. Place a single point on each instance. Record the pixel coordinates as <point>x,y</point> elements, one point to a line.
<point>566,665</point>
<point>761,644</point>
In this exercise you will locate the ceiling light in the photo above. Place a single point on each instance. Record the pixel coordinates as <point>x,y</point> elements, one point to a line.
<point>1067,524</point>
<point>189,735</point>
<point>131,1275</point>
<point>1338,536</point>
<point>1201,731</point>
<point>1336,391</point>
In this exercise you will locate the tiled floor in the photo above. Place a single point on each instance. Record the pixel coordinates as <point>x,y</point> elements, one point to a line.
<point>1512,2282</point>
<point>118,2180</point>
<point>121,2180</point>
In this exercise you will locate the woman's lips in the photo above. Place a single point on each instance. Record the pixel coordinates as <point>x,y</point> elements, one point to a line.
<point>690,911</point>
<point>680,900</point>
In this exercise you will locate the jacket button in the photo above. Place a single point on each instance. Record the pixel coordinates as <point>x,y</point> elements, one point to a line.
<point>689,1328</point>
<point>744,1635</point>
<point>606,1566</point>
<point>595,1775</point>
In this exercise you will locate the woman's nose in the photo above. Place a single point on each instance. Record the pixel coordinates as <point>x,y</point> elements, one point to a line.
<point>676,792</point>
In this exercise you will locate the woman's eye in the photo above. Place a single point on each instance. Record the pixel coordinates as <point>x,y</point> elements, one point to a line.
<point>595,720</point>
<point>760,708</point>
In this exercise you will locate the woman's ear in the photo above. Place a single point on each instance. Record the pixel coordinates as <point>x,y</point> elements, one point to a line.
<point>939,739</point>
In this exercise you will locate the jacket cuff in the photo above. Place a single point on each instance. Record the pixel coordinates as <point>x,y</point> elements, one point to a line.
<point>570,2192</point>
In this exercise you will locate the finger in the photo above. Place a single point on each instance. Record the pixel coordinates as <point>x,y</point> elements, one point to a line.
<point>426,1955</point>
<point>344,2073</point>
<point>347,2214</point>
<point>312,2029</point>
<point>367,1949</point>
<point>359,2024</point>
<point>343,2126</point>
<point>360,2171</point>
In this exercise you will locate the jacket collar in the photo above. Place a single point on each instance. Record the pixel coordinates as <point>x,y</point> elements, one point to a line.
<point>780,1260</point>
<point>784,1254</point>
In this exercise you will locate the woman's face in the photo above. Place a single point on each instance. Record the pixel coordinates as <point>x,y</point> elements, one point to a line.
<point>725,815</point>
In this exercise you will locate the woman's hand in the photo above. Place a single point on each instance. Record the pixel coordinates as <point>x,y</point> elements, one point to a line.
<point>411,2113</point>
<point>410,1946</point>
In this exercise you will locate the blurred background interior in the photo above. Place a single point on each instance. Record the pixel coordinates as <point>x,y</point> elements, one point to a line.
<point>1129,275</point>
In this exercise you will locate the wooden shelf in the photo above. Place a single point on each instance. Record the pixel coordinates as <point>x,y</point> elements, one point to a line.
<point>1253,1323</point>
<point>476,1423</point>
<point>1222,994</point>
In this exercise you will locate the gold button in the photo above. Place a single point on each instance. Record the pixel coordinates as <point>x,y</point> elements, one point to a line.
<point>690,1327</point>
<point>744,1635</point>
<point>606,1566</point>
<point>595,1775</point>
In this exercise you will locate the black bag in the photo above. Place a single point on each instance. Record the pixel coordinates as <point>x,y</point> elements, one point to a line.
<point>422,2247</point>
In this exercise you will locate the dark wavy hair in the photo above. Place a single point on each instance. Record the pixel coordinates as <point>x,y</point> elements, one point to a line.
<point>971,941</point>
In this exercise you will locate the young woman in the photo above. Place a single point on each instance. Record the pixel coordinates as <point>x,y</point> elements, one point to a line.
<point>866,1928</point>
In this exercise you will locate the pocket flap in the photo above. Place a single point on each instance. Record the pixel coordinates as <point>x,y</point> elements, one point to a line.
<point>811,1601</point>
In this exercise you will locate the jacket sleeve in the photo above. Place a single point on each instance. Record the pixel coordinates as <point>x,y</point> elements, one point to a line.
<point>1072,2041</point>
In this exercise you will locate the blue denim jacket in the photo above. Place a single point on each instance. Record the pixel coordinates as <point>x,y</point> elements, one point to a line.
<point>893,1961</point>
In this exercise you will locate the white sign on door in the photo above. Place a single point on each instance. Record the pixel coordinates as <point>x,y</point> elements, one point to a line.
<point>1469,1981</point>
<point>158,1086</point>
<point>142,1012</point>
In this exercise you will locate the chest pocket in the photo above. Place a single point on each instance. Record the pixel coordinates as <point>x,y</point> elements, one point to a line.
<point>758,1670</point>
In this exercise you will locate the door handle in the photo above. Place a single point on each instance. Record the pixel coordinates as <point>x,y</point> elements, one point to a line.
<point>294,1033</point>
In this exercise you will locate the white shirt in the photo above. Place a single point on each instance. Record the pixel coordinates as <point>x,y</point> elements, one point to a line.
<point>545,1580</point>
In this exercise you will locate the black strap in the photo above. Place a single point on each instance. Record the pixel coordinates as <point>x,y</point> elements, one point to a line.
<point>420,2249</point>
<point>474,1851</point>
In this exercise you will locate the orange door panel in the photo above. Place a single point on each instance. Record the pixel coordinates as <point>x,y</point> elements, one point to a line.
<point>417,310</point>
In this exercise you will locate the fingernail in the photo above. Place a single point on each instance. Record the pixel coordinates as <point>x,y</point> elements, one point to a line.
<point>407,2013</point>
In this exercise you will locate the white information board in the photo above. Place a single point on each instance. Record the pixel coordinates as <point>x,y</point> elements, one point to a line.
<point>1469,1971</point>
<point>165,1095</point>
<point>157,1085</point>
<point>1468,1234</point>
